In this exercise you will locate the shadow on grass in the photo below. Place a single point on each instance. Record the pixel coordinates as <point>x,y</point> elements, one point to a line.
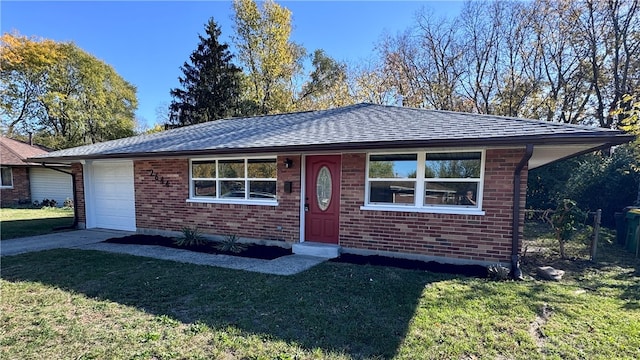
<point>363,311</point>
<point>20,228</point>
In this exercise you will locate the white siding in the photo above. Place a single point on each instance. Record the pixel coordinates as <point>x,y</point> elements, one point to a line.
<point>50,184</point>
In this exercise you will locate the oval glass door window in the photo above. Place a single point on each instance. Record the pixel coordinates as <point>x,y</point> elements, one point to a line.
<point>323,188</point>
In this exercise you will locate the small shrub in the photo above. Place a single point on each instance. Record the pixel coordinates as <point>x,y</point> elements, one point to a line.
<point>46,203</point>
<point>68,203</point>
<point>565,222</point>
<point>190,237</point>
<point>498,272</point>
<point>230,243</point>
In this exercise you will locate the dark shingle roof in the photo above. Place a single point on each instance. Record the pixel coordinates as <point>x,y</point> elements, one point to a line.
<point>361,126</point>
<point>14,152</point>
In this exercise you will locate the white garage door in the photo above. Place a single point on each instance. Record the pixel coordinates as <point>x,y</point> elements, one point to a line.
<point>50,184</point>
<point>113,205</point>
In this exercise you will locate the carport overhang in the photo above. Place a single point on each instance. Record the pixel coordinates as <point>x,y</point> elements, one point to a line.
<point>546,154</point>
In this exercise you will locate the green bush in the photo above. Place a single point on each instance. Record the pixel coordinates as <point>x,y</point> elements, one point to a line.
<point>594,181</point>
<point>498,272</point>
<point>231,244</point>
<point>566,220</point>
<point>190,237</point>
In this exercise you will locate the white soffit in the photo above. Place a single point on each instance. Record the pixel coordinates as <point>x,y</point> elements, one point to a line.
<point>545,154</point>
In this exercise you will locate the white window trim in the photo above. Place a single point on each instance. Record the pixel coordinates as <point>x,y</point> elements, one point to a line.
<point>420,180</point>
<point>246,201</point>
<point>8,186</point>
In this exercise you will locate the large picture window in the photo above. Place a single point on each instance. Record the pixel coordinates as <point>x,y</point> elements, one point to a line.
<point>7,177</point>
<point>441,181</point>
<point>392,178</point>
<point>248,179</point>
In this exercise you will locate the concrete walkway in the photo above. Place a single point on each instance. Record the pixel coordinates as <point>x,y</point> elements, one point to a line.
<point>92,240</point>
<point>59,240</point>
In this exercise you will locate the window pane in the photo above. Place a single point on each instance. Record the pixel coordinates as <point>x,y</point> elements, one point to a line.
<point>393,166</point>
<point>451,193</point>
<point>231,169</point>
<point>204,188</point>
<point>324,186</point>
<point>453,165</point>
<point>262,190</point>
<point>204,169</point>
<point>261,168</point>
<point>232,189</point>
<point>6,176</point>
<point>392,192</point>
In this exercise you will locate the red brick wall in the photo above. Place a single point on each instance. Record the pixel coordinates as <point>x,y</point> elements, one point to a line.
<point>465,237</point>
<point>165,208</point>
<point>21,191</point>
<point>76,169</point>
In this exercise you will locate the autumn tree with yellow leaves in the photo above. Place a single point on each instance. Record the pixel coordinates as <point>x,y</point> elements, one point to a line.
<point>270,59</point>
<point>61,94</point>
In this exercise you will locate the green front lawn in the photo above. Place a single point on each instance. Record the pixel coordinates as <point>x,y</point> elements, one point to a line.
<point>29,222</point>
<point>85,305</point>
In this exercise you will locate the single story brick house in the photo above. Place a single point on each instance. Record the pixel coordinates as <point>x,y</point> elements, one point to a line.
<point>365,179</point>
<point>23,182</point>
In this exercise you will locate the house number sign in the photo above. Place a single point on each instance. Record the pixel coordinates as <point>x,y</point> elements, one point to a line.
<point>156,177</point>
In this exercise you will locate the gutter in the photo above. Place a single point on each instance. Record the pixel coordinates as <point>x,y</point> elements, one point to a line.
<point>75,203</point>
<point>516,273</point>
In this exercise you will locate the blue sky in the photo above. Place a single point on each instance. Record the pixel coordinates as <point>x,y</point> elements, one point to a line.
<point>147,41</point>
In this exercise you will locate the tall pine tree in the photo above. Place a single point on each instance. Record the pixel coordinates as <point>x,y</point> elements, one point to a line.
<point>210,86</point>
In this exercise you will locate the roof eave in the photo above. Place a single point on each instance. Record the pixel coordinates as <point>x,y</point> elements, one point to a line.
<point>597,139</point>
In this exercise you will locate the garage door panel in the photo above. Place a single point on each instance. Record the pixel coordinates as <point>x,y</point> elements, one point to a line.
<point>113,191</point>
<point>114,196</point>
<point>112,207</point>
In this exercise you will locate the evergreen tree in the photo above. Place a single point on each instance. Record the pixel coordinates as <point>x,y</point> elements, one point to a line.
<point>210,86</point>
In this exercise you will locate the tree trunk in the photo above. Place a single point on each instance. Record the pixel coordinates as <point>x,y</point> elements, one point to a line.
<point>562,254</point>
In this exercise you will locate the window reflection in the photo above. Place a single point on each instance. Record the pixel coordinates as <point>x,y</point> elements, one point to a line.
<point>393,166</point>
<point>453,165</point>
<point>451,193</point>
<point>392,192</point>
<point>231,169</point>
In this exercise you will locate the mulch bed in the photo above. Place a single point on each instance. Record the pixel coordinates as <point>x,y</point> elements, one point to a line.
<point>274,252</point>
<point>252,250</point>
<point>432,266</point>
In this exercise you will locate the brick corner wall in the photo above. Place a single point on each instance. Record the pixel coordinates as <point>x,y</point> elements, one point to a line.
<point>20,193</point>
<point>79,200</point>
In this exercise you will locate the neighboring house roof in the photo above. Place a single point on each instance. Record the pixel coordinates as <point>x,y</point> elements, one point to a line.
<point>15,152</point>
<point>355,127</point>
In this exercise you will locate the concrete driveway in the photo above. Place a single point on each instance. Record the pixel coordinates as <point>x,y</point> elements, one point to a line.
<point>67,240</point>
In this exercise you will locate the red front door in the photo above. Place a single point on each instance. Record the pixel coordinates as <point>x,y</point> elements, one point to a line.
<point>322,199</point>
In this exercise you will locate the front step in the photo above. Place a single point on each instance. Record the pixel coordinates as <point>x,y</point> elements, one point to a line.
<point>328,251</point>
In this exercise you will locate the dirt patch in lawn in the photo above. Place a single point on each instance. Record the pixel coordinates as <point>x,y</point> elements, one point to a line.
<point>432,266</point>
<point>252,250</point>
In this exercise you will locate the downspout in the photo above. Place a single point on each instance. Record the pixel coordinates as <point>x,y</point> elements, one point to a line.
<point>516,273</point>
<point>75,207</point>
